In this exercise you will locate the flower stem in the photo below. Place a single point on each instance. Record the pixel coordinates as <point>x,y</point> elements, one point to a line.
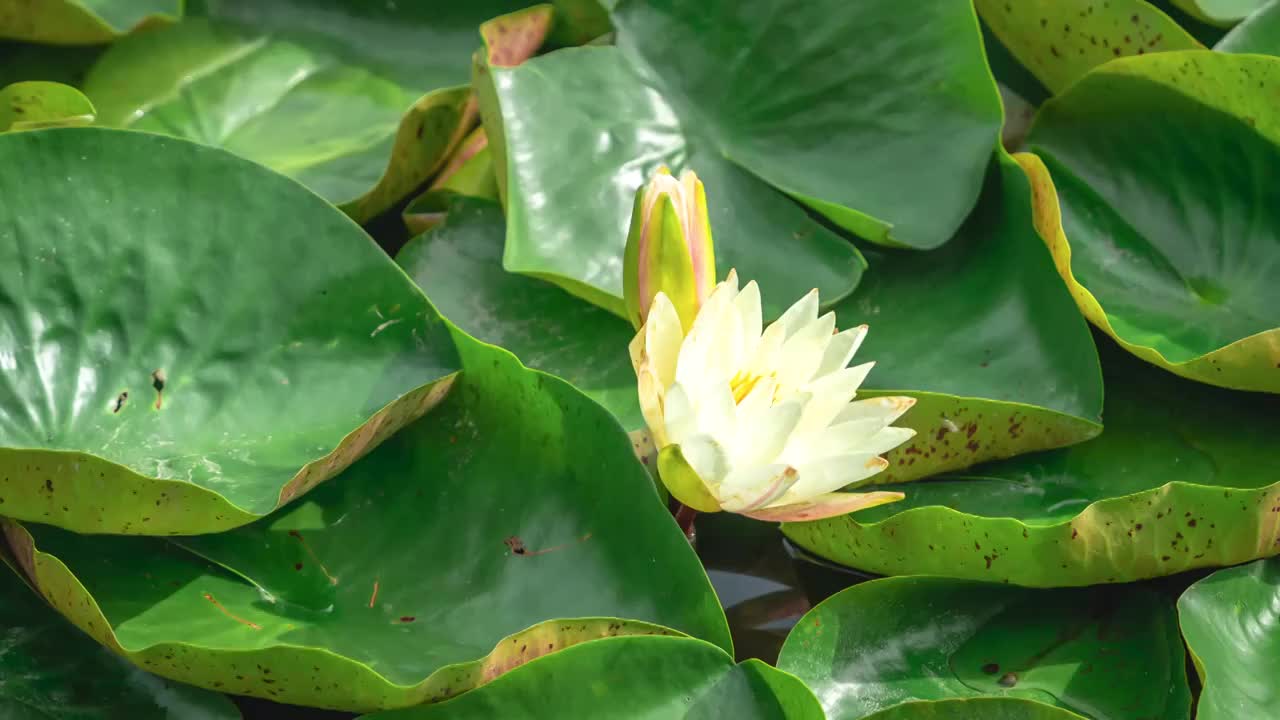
<point>684,518</point>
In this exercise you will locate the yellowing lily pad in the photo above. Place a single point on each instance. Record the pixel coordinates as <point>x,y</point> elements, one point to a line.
<point>82,22</point>
<point>36,104</point>
<point>1061,40</point>
<point>1155,192</point>
<point>1183,477</point>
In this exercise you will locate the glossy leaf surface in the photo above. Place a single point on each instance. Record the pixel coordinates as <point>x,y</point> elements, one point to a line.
<point>189,340</point>
<point>1228,620</point>
<point>330,92</point>
<point>414,575</point>
<point>52,670</point>
<point>645,678</point>
<point>459,264</point>
<point>983,334</point>
<point>1164,168</point>
<point>1104,653</point>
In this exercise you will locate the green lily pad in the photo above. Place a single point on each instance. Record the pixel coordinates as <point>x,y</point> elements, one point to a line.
<point>1184,477</point>
<point>972,708</point>
<point>1061,40</point>
<point>1228,620</point>
<point>1259,33</point>
<point>52,670</point>
<point>983,335</point>
<point>1109,653</point>
<point>37,104</point>
<point>651,677</point>
<point>459,264</point>
<point>330,93</point>
<point>189,340</point>
<point>700,86</point>
<point>1219,12</point>
<point>437,562</point>
<point>1164,169</point>
<point>82,22</point>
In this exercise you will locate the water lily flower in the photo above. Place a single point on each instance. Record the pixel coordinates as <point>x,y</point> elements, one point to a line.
<point>669,248</point>
<point>761,422</point>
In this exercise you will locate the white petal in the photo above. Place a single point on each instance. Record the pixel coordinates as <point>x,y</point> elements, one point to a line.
<point>841,350</point>
<point>831,395</point>
<point>707,458</point>
<point>663,338</point>
<point>832,473</point>
<point>800,355</point>
<point>678,415</point>
<point>890,408</point>
<point>748,305</point>
<point>887,439</point>
<point>716,412</point>
<point>824,506</point>
<point>803,312</point>
<point>754,488</point>
<point>652,396</point>
<point>758,399</point>
<point>702,351</point>
<point>762,436</point>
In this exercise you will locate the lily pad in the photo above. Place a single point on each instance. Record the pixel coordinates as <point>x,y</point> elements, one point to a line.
<point>1061,40</point>
<point>1109,653</point>
<point>1228,620</point>
<point>187,340</point>
<point>970,708</point>
<point>1259,33</point>
<point>1219,12</point>
<point>651,677</point>
<point>330,93</point>
<point>701,85</point>
<point>36,104</point>
<point>52,670</point>
<point>82,22</point>
<point>459,264</point>
<point>1184,477</point>
<point>439,561</point>
<point>983,335</point>
<point>1162,169</point>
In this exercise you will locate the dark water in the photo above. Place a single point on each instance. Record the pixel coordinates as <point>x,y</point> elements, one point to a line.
<point>764,584</point>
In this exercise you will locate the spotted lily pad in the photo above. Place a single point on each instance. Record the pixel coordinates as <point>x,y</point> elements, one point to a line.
<point>1183,477</point>
<point>1228,620</point>
<point>52,670</point>
<point>651,677</point>
<point>328,92</point>
<point>701,85</point>
<point>82,22</point>
<point>172,366</point>
<point>459,264</point>
<point>37,103</point>
<point>1061,40</point>
<point>983,335</point>
<point>442,559</point>
<point>1156,196</point>
<point>1109,653</point>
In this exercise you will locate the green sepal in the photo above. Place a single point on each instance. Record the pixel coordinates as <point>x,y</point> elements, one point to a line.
<point>683,481</point>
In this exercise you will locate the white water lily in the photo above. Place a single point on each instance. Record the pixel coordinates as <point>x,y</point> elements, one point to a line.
<point>762,422</point>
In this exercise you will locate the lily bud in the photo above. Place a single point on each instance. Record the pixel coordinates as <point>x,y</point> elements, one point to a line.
<point>669,248</point>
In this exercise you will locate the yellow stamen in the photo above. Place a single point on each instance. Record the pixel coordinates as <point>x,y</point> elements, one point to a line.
<point>743,383</point>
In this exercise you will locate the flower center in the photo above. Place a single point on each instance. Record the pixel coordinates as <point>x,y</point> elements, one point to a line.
<point>743,383</point>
